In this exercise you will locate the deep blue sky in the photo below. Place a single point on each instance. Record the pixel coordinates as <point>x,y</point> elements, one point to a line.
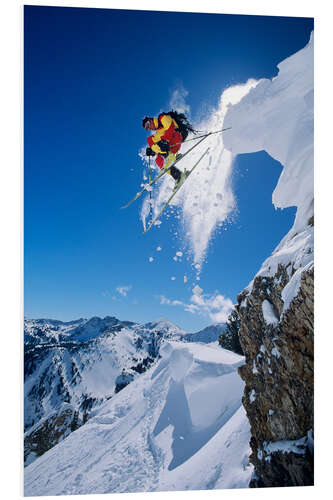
<point>90,76</point>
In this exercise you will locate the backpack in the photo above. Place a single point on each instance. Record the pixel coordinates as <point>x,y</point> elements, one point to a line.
<point>184,125</point>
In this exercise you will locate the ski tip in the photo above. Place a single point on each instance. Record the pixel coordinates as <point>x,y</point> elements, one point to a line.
<point>146,229</point>
<point>154,223</point>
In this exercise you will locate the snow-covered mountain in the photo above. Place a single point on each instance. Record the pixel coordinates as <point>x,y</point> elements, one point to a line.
<point>42,331</point>
<point>180,425</point>
<point>81,364</point>
<point>73,367</point>
<point>207,335</point>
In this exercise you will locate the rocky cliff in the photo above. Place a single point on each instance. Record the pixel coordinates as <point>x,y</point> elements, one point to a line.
<point>278,395</point>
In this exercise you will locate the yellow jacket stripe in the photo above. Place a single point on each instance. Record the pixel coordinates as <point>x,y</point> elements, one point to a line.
<point>167,123</point>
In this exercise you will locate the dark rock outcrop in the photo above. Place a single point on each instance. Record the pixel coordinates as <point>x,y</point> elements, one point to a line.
<point>50,431</point>
<point>278,396</point>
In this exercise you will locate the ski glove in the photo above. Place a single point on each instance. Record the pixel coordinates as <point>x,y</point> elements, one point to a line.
<point>164,146</point>
<point>150,152</point>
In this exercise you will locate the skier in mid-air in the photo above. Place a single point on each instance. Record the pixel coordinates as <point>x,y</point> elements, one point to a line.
<point>171,129</point>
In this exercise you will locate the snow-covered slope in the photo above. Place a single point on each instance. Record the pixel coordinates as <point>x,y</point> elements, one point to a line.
<point>73,367</point>
<point>178,426</point>
<point>81,363</point>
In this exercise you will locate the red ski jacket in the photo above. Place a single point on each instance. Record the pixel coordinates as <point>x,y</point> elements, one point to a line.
<point>167,129</point>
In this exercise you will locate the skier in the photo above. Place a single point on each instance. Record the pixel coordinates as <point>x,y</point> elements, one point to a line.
<point>171,129</point>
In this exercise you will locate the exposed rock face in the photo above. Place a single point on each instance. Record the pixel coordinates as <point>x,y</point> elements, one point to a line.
<point>50,431</point>
<point>278,396</point>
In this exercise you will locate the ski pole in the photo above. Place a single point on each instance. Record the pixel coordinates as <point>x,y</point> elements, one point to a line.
<point>209,133</point>
<point>150,195</point>
<point>200,136</point>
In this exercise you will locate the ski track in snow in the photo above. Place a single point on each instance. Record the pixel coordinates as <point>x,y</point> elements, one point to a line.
<point>157,434</point>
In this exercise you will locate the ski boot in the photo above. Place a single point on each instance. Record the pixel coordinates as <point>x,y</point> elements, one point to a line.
<point>178,176</point>
<point>169,160</point>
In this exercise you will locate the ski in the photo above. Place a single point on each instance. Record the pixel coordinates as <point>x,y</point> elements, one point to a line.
<point>164,171</point>
<point>175,191</point>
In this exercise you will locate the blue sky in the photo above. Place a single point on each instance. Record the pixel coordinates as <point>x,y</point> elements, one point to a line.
<point>90,76</point>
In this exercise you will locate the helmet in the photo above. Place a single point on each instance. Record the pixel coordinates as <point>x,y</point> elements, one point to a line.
<point>148,122</point>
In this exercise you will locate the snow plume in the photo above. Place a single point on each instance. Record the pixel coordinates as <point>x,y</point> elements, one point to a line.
<point>233,95</point>
<point>206,201</point>
<point>178,100</point>
<point>214,306</point>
